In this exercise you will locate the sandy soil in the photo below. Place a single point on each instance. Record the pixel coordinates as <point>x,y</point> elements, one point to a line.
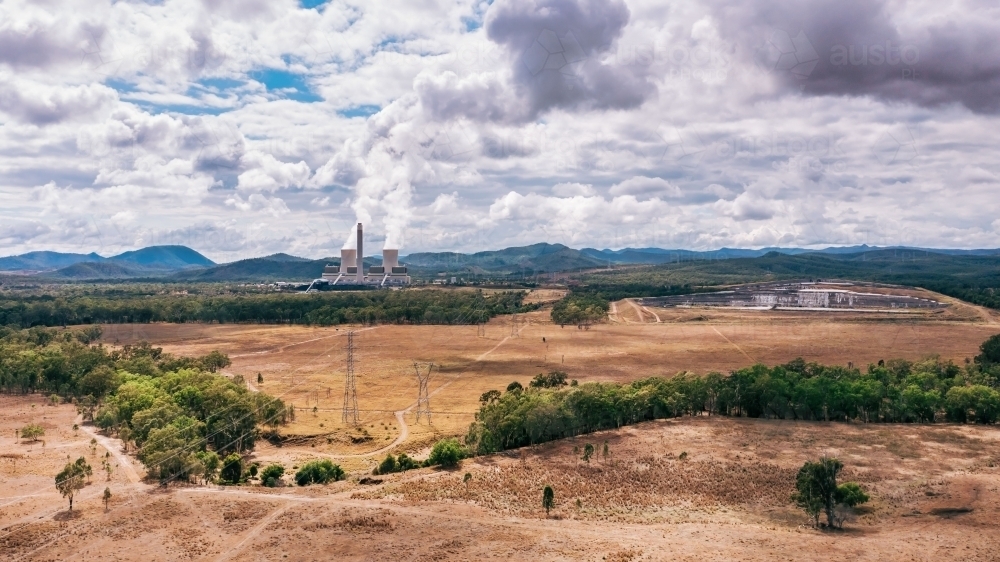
<point>935,495</point>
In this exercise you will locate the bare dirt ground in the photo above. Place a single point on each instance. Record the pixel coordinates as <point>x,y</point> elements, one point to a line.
<point>935,496</point>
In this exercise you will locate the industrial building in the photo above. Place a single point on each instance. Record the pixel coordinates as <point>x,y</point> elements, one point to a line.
<point>798,296</point>
<point>351,270</point>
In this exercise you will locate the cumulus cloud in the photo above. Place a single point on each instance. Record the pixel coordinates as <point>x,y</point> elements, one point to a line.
<point>266,173</point>
<point>646,187</point>
<point>571,189</point>
<point>555,49</point>
<point>256,202</point>
<point>859,47</point>
<point>590,122</point>
<point>39,104</point>
<point>21,232</point>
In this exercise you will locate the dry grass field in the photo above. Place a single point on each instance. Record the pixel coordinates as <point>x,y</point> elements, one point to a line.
<point>935,496</point>
<point>935,488</point>
<point>305,365</point>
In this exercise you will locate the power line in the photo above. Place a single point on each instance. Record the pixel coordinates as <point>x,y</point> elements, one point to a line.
<point>350,387</point>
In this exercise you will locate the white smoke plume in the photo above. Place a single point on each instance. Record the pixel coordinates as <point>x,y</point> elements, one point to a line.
<point>423,136</point>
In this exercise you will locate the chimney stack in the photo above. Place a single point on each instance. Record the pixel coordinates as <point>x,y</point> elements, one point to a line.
<point>361,257</point>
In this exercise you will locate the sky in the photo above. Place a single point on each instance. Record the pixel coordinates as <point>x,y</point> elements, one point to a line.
<point>242,128</point>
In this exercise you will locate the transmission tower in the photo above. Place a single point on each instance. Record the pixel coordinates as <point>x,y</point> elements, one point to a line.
<point>350,386</point>
<point>513,326</point>
<point>481,330</point>
<point>423,396</point>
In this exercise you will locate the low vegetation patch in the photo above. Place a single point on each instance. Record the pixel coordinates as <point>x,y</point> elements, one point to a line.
<point>318,472</point>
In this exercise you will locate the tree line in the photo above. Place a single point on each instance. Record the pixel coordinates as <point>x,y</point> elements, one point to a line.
<point>323,309</point>
<point>897,391</point>
<point>177,414</point>
<point>587,304</point>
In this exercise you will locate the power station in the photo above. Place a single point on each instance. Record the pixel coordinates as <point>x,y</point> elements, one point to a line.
<point>351,270</point>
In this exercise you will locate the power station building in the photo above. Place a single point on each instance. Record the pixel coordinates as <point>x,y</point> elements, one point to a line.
<point>351,270</point>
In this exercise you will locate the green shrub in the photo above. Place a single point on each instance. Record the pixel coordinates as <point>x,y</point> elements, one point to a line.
<point>393,464</point>
<point>446,453</point>
<point>232,469</point>
<point>553,379</point>
<point>388,465</point>
<point>272,474</point>
<point>32,431</point>
<point>318,472</point>
<point>851,494</point>
<point>404,463</point>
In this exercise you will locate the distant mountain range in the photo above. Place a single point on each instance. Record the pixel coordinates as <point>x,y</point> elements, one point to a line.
<point>154,261</point>
<point>180,263</point>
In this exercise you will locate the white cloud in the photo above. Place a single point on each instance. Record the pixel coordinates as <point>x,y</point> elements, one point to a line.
<point>266,173</point>
<point>573,189</point>
<point>665,133</point>
<point>41,104</point>
<point>646,187</point>
<point>259,203</point>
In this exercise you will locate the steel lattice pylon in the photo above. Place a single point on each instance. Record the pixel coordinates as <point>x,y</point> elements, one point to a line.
<point>350,386</point>
<point>423,396</point>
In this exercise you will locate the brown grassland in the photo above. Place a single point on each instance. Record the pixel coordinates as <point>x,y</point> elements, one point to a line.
<point>935,488</point>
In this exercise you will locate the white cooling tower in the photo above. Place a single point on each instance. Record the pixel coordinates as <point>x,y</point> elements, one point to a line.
<point>348,258</point>
<point>390,259</point>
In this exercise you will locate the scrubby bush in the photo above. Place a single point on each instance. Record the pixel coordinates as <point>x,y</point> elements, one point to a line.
<point>446,453</point>
<point>32,431</point>
<point>393,464</point>
<point>553,379</point>
<point>388,465</point>
<point>548,499</point>
<point>318,472</point>
<point>232,469</point>
<point>272,474</point>
<point>404,463</point>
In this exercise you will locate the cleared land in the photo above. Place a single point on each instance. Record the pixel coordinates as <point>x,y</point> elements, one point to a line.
<point>305,366</point>
<point>935,489</point>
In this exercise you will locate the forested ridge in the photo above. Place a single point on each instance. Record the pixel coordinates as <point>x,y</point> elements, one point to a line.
<point>322,309</point>
<point>896,391</point>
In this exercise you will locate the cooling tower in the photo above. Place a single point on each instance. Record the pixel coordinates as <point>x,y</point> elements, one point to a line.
<point>348,258</point>
<point>390,259</point>
<point>360,258</point>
